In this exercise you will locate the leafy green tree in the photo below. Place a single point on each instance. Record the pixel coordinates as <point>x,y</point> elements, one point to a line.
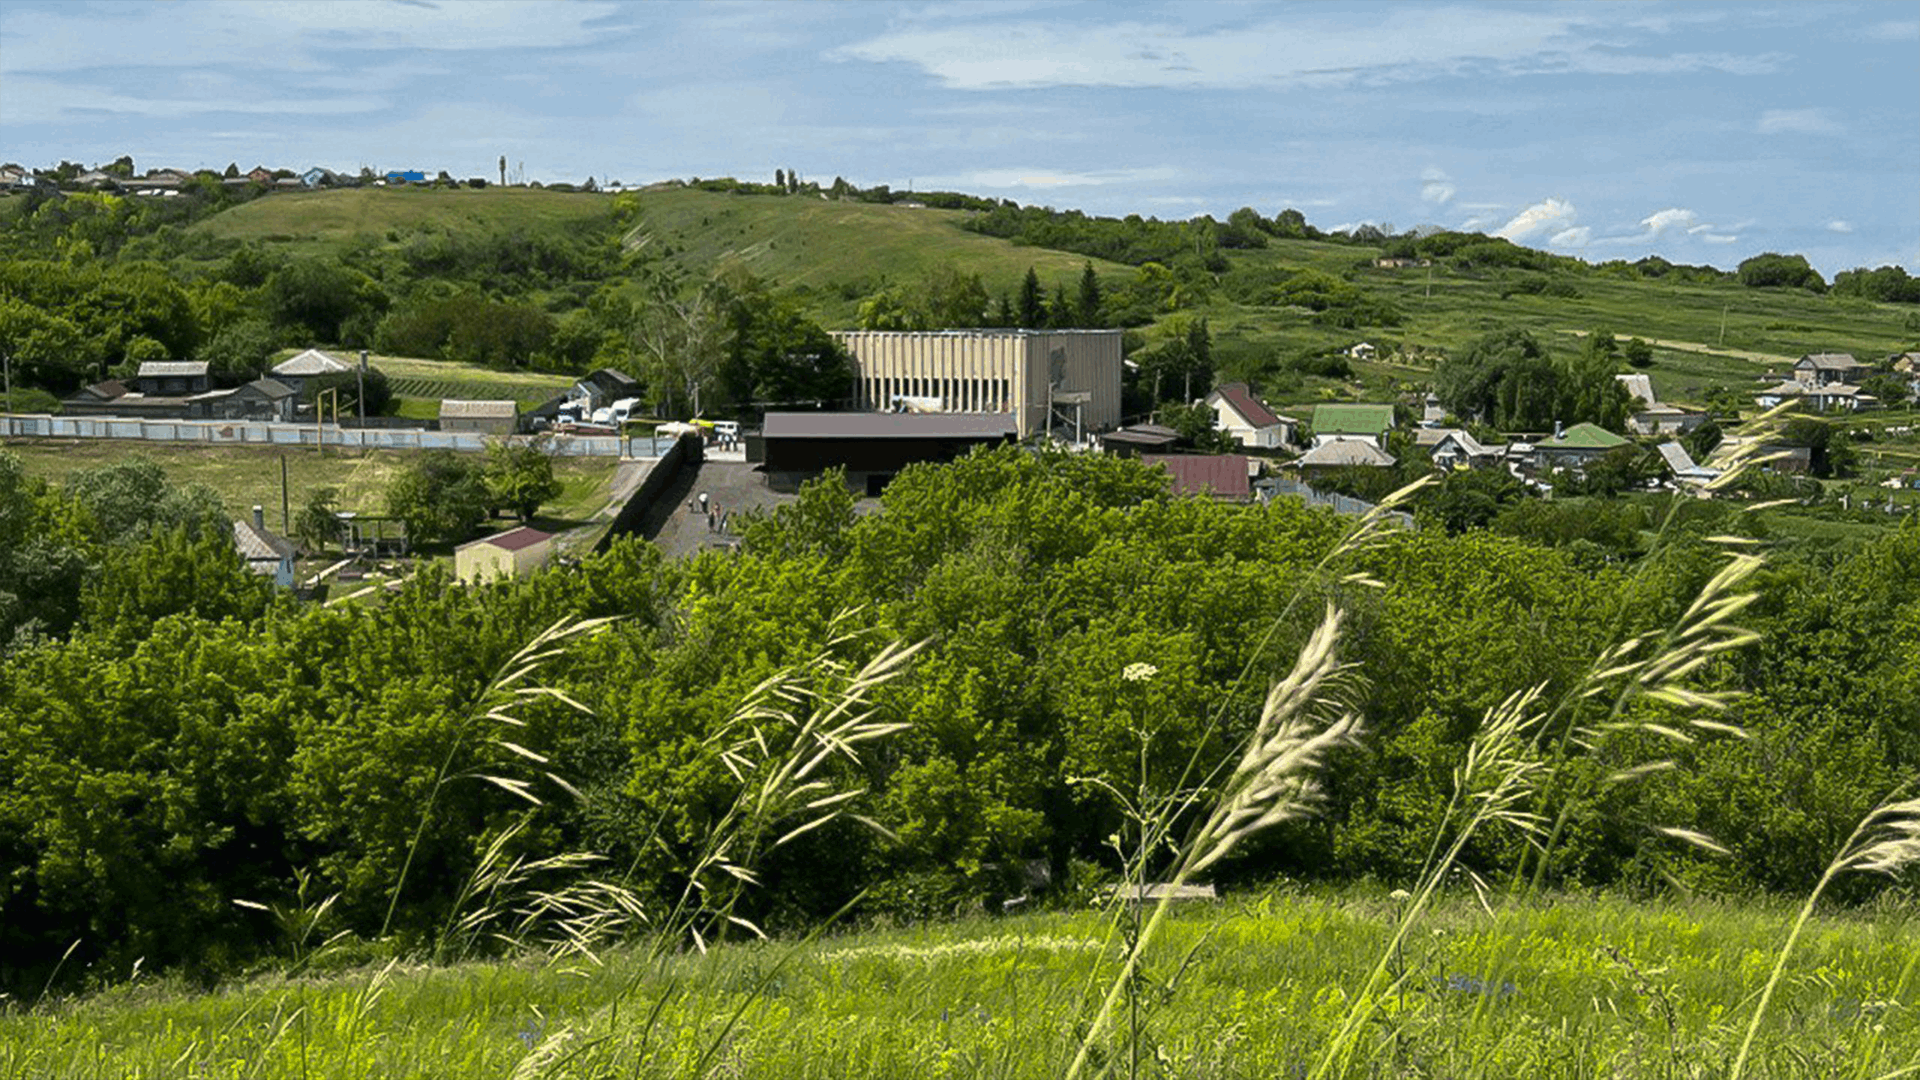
<point>519,477</point>
<point>318,522</point>
<point>441,498</point>
<point>240,351</point>
<point>888,309</point>
<point>955,299</point>
<point>317,296</point>
<point>1638,353</point>
<point>1195,424</point>
<point>131,499</point>
<point>1507,379</point>
<point>1770,270</point>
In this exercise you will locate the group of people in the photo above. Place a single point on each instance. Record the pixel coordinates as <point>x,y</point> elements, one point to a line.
<point>716,518</point>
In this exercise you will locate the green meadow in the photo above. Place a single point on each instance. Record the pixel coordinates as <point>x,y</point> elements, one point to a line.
<point>1570,986</point>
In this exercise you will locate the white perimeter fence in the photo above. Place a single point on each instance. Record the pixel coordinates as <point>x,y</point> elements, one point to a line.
<point>262,433</point>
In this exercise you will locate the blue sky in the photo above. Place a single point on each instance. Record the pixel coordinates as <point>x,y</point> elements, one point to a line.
<point>1701,132</point>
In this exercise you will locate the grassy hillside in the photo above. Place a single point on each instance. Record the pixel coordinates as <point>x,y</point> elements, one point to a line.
<point>834,253</point>
<point>831,254</point>
<point>1581,988</point>
<point>314,222</point>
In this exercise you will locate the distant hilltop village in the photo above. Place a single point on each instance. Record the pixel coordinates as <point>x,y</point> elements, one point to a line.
<point>118,177</point>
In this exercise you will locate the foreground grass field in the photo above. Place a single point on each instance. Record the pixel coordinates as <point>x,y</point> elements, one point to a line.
<point>245,475</point>
<point>1572,988</point>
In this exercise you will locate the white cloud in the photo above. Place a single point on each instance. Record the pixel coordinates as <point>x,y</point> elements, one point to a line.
<point>1796,122</point>
<point>1436,187</point>
<point>1839,226</point>
<point>1554,214</point>
<point>1895,30</point>
<point>1661,222</point>
<point>1407,43</point>
<point>1574,237</point>
<point>1671,224</point>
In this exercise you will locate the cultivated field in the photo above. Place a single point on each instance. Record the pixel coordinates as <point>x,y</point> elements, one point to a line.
<point>1575,987</point>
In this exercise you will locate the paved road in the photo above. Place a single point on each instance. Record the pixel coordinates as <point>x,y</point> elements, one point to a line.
<point>732,487</point>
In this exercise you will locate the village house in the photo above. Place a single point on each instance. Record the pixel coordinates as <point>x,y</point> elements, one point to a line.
<point>1576,447</point>
<point>1455,448</point>
<point>1343,454</point>
<point>1225,477</point>
<point>1137,439</point>
<point>514,553</point>
<point>267,553</point>
<point>172,378</point>
<point>1366,423</point>
<point>297,371</point>
<point>1650,415</point>
<point>603,388</point>
<point>1686,473</point>
<point>1820,397</point>
<point>1247,419</point>
<point>1824,369</point>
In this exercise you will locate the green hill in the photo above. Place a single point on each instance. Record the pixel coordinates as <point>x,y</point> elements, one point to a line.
<point>329,222</point>
<point>832,253</point>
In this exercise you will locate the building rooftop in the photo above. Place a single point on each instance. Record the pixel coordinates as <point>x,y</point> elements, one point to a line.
<point>1584,437</point>
<point>1829,361</point>
<point>1345,452</point>
<point>861,425</point>
<point>1239,396</point>
<point>159,369</point>
<point>258,544</point>
<point>1223,476</point>
<point>518,539</point>
<point>453,408</point>
<point>1142,435</point>
<point>310,363</point>
<point>1352,419</point>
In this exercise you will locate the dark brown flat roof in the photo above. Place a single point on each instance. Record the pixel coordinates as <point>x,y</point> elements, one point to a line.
<point>861,425</point>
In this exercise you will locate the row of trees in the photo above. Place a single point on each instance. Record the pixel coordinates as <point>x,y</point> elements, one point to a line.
<point>190,741</point>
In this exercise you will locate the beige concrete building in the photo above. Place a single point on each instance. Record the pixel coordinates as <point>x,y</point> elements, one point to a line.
<point>992,371</point>
<point>514,553</point>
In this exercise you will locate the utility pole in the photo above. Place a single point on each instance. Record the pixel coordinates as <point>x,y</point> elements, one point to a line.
<point>1723,323</point>
<point>363,388</point>
<point>286,509</point>
<point>6,364</point>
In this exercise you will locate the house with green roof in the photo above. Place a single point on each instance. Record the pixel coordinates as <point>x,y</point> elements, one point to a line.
<point>1575,447</point>
<point>1367,423</point>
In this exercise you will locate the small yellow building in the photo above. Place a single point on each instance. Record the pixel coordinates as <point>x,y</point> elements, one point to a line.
<point>514,553</point>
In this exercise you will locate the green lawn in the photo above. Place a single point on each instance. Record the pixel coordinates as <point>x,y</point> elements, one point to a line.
<point>246,475</point>
<point>1577,987</point>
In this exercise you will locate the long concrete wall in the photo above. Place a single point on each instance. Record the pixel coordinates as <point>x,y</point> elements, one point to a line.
<point>686,450</point>
<point>261,433</point>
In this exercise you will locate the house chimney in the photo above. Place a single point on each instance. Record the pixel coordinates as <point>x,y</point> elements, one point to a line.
<point>1557,429</point>
<point>259,518</point>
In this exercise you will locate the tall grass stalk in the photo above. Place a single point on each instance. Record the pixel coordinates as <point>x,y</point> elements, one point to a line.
<point>1272,781</point>
<point>1886,841</point>
<point>510,687</point>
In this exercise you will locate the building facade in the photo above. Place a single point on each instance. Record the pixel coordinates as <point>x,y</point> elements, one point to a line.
<point>1016,372</point>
